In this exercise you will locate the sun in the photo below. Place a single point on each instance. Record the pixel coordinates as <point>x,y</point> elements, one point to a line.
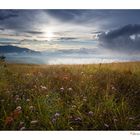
<point>49,35</point>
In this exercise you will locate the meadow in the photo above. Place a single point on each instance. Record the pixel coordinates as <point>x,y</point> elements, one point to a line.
<point>70,97</point>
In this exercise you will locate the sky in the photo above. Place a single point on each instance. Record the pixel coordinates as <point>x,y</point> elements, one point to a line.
<point>88,32</point>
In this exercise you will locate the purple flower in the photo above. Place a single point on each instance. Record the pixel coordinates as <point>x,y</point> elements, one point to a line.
<point>16,96</point>
<point>78,119</point>
<point>57,114</point>
<point>90,113</point>
<point>53,120</point>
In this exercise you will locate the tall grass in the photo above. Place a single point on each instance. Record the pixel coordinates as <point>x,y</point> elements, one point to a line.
<point>70,97</point>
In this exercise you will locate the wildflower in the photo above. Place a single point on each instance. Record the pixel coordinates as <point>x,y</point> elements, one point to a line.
<point>90,113</point>
<point>27,117</point>
<point>16,96</point>
<point>31,108</point>
<point>2,100</point>
<point>84,99</point>
<point>62,89</point>
<point>115,120</point>
<point>53,120</point>
<point>131,118</point>
<point>28,74</point>
<point>40,74</point>
<point>113,88</point>
<point>43,87</point>
<point>9,120</point>
<point>82,72</point>
<point>22,128</point>
<point>34,122</point>
<point>70,117</point>
<point>78,119</point>
<point>71,128</point>
<point>28,100</point>
<point>65,77</point>
<point>69,89</point>
<point>106,125</point>
<point>18,99</point>
<point>18,108</point>
<point>73,106</point>
<point>47,95</point>
<point>57,114</point>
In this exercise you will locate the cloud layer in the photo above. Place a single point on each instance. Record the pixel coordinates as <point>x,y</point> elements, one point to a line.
<point>113,30</point>
<point>124,39</point>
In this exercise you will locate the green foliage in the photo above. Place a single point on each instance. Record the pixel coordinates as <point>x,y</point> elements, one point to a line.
<point>70,97</point>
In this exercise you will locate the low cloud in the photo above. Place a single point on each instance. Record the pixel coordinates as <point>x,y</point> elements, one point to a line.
<point>34,32</point>
<point>67,38</point>
<point>125,39</point>
<point>2,29</point>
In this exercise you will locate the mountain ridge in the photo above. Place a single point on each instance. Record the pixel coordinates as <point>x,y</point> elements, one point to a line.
<point>15,49</point>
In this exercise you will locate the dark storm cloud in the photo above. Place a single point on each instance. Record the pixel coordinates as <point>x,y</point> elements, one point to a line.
<point>124,39</point>
<point>6,14</point>
<point>85,15</point>
<point>34,32</point>
<point>67,38</point>
<point>124,31</point>
<point>24,20</point>
<point>105,19</point>
<point>65,15</point>
<point>19,20</point>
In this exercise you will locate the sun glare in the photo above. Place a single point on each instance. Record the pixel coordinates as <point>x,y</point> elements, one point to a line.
<point>49,35</point>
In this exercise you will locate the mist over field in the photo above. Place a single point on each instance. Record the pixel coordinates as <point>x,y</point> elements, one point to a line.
<point>68,58</point>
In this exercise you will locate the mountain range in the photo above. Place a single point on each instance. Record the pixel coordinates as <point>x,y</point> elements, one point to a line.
<point>15,49</point>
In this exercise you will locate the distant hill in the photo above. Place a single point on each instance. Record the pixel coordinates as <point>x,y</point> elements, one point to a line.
<point>15,49</point>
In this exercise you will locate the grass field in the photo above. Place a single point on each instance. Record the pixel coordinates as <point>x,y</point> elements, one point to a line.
<point>70,97</point>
